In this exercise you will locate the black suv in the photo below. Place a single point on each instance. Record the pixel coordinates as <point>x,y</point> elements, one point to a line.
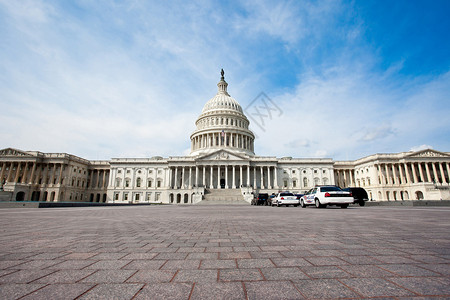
<point>262,199</point>
<point>359,195</point>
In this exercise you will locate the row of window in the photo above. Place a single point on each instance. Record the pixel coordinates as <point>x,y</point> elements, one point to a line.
<point>136,197</point>
<point>212,121</point>
<point>138,184</point>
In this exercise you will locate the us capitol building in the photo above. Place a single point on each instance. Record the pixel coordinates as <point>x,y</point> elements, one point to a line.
<point>222,166</point>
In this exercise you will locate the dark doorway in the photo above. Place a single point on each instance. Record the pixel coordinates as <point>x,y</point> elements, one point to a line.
<point>20,196</point>
<point>222,183</point>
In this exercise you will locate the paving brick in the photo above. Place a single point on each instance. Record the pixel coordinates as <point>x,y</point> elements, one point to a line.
<point>325,288</point>
<point>64,276</point>
<point>255,263</point>
<point>272,290</point>
<point>59,291</point>
<point>108,265</point>
<point>289,273</point>
<point>375,287</point>
<point>144,264</point>
<point>218,264</point>
<point>408,270</point>
<point>152,276</point>
<point>291,262</point>
<point>165,291</point>
<point>325,272</point>
<point>425,286</point>
<point>178,264</point>
<point>234,255</point>
<point>117,291</point>
<point>24,276</point>
<point>16,291</point>
<point>196,276</point>
<point>108,276</point>
<point>218,290</point>
<point>240,275</point>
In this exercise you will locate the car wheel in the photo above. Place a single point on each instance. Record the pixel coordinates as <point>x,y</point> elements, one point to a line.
<point>318,205</point>
<point>302,204</point>
<point>362,203</point>
<point>344,205</point>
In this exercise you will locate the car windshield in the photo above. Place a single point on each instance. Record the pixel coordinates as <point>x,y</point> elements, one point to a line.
<point>286,194</point>
<point>330,189</point>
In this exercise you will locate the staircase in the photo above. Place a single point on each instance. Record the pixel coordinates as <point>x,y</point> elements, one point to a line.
<point>223,196</point>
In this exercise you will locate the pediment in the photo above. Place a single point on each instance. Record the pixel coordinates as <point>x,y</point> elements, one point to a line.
<point>222,155</point>
<point>428,153</point>
<point>14,152</point>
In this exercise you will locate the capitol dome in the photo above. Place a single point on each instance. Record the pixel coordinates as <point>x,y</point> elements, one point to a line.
<point>222,125</point>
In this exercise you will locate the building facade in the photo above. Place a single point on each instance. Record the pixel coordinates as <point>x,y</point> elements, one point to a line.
<point>222,164</point>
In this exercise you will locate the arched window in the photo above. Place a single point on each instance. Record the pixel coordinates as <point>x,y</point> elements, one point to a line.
<point>138,182</point>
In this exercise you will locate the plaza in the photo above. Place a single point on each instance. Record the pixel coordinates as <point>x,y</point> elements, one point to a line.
<point>224,252</point>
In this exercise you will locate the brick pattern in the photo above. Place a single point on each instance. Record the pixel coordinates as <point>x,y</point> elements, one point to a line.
<point>224,252</point>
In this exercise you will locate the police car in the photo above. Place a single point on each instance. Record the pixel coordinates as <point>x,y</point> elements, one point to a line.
<point>321,196</point>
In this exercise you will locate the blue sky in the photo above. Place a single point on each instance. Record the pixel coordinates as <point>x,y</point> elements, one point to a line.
<point>103,79</point>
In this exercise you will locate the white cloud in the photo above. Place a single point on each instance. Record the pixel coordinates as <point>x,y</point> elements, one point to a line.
<point>421,147</point>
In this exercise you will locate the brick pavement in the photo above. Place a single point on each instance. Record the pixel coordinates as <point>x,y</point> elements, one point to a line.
<point>232,252</point>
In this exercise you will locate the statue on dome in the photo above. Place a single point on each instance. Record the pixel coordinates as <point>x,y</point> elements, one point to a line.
<point>222,73</point>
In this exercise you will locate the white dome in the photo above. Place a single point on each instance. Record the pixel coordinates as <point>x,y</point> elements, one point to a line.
<point>222,102</point>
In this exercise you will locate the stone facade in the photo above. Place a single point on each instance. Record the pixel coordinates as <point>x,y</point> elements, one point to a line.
<point>222,158</point>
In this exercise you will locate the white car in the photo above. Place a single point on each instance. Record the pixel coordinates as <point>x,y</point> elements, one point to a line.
<point>321,196</point>
<point>285,198</point>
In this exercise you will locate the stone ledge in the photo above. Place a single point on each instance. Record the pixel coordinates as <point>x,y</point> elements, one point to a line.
<point>409,203</point>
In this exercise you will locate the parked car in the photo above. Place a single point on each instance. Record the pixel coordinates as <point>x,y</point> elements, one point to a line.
<point>321,196</point>
<point>285,198</point>
<point>359,195</point>
<point>262,199</point>
<point>271,199</point>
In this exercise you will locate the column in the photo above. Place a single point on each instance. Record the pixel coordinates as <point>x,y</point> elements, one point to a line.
<point>196,176</point>
<point>234,176</point>
<point>25,173</point>
<point>436,178</point>
<point>176,178</point>
<point>345,179</point>
<point>8,178</point>
<point>262,178</point>
<point>226,177</point>
<point>248,175</point>
<point>52,178</point>
<point>16,178</point>
<point>275,177</point>
<point>442,173</point>
<point>408,177</point>
<point>414,173</point>
<point>104,180</point>
<point>419,166</point>
<point>211,186</point>
<point>447,166</point>
<point>254,177</point>
<point>241,182</point>
<point>183,178</point>
<point>402,178</point>
<point>190,177</point>
<point>203,175</point>
<point>269,185</point>
<point>2,173</point>
<point>427,168</point>
<point>394,175</point>
<point>33,169</point>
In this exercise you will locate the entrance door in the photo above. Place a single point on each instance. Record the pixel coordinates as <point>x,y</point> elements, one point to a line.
<point>20,196</point>
<point>222,183</point>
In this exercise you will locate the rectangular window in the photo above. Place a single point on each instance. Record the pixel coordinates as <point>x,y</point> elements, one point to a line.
<point>116,196</point>
<point>149,183</point>
<point>158,196</point>
<point>159,183</point>
<point>294,183</point>
<point>125,196</point>
<point>149,196</point>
